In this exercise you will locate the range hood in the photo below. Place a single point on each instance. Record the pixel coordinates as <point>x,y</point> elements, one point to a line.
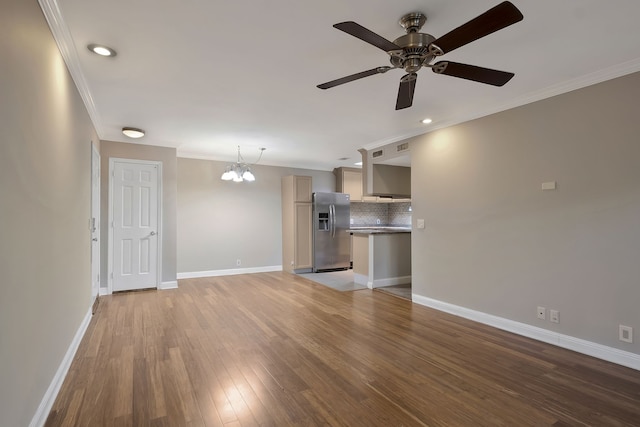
<point>386,172</point>
<point>391,181</point>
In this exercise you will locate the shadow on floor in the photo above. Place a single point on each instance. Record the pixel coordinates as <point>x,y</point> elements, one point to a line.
<point>402,291</point>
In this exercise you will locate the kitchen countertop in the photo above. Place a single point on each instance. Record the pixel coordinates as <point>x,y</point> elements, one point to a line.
<point>379,230</point>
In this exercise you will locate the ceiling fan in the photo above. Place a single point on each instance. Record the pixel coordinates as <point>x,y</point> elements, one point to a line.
<point>415,50</point>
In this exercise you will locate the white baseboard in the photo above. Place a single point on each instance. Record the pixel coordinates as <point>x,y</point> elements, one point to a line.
<point>168,285</point>
<point>40,417</point>
<point>103,291</point>
<point>610,354</point>
<point>229,272</point>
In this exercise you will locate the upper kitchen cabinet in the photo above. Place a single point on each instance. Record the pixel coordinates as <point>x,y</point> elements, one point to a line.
<point>349,181</point>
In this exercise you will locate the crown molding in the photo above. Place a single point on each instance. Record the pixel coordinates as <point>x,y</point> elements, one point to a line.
<point>65,43</point>
<point>596,77</point>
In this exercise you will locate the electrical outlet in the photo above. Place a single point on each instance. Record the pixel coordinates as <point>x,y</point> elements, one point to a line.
<point>625,333</point>
<point>378,221</point>
<point>542,313</point>
<point>238,262</point>
<point>554,316</point>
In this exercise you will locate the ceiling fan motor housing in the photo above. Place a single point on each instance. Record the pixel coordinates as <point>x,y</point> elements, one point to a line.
<point>413,22</point>
<point>415,51</point>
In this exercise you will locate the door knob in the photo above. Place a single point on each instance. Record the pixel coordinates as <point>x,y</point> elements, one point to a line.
<point>95,239</point>
<point>153,233</point>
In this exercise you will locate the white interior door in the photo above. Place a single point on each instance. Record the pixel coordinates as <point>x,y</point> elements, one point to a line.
<point>95,223</point>
<point>135,223</point>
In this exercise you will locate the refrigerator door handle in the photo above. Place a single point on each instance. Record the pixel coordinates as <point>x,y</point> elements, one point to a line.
<point>333,220</point>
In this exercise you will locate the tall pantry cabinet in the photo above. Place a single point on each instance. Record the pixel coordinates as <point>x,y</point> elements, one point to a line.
<point>297,237</point>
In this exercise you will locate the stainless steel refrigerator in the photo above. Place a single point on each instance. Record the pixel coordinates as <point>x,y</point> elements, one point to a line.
<point>331,238</point>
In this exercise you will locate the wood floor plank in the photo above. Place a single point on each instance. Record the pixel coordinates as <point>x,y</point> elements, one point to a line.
<point>273,349</point>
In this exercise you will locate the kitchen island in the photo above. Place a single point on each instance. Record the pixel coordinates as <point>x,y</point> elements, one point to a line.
<point>381,256</point>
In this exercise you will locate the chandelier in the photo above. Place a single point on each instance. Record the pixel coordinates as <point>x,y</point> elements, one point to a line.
<point>240,170</point>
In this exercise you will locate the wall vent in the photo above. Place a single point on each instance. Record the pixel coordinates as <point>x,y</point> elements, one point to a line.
<point>376,154</point>
<point>402,147</point>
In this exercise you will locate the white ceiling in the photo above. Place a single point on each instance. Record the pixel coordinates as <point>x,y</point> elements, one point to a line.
<point>207,76</point>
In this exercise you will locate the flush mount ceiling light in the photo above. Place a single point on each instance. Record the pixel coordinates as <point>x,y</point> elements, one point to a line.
<point>133,132</point>
<point>240,170</point>
<point>101,50</point>
<point>358,163</point>
<point>427,121</point>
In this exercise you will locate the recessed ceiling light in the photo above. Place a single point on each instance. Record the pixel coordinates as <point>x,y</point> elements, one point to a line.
<point>427,121</point>
<point>133,132</point>
<point>101,50</point>
<point>358,163</point>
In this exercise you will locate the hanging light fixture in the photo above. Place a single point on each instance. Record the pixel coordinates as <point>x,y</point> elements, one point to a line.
<point>240,170</point>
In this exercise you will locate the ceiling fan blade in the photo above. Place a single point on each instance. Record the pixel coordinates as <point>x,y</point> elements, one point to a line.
<point>492,20</point>
<point>364,34</point>
<point>406,90</point>
<point>352,77</point>
<point>472,72</point>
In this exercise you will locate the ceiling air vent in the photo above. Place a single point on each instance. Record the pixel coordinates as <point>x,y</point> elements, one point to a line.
<point>376,154</point>
<point>403,147</point>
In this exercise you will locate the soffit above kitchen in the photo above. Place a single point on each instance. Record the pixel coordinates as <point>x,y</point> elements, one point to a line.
<point>207,77</point>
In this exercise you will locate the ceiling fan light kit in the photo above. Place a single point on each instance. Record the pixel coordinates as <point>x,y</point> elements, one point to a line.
<point>416,50</point>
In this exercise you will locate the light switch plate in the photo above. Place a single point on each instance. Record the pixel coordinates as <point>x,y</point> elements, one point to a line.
<point>420,223</point>
<point>551,185</point>
<point>625,333</point>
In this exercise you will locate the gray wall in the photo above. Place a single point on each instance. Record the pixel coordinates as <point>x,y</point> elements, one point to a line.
<point>45,189</point>
<point>167,156</point>
<point>222,221</point>
<point>495,243</point>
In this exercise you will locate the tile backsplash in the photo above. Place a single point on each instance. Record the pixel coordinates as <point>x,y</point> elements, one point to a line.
<point>400,214</point>
<point>394,214</point>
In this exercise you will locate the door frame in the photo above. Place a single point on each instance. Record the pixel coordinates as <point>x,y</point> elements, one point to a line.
<point>110,248</point>
<point>94,225</point>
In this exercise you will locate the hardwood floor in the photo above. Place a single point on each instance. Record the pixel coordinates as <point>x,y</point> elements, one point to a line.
<point>274,349</point>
